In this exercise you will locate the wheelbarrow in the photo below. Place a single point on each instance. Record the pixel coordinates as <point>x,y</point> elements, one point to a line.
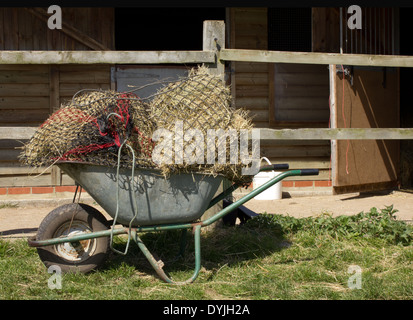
<point>77,237</point>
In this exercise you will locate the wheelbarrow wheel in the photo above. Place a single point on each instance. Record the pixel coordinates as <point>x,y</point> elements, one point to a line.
<point>71,219</point>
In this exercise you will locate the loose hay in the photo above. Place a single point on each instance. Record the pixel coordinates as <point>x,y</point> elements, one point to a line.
<point>200,102</point>
<point>94,124</point>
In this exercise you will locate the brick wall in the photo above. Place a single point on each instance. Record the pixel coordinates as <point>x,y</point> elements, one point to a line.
<point>35,190</point>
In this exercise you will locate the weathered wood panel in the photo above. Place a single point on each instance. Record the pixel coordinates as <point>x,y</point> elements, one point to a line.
<point>36,74</point>
<point>9,154</point>
<point>24,103</point>
<point>16,169</point>
<point>26,29</point>
<point>338,134</point>
<point>27,90</point>
<point>106,57</point>
<point>260,103</point>
<point>252,91</point>
<point>296,151</point>
<point>249,30</point>
<point>279,136</point>
<point>11,117</point>
<point>67,90</point>
<point>312,76</point>
<point>1,28</point>
<point>316,58</point>
<point>28,95</point>
<point>10,29</point>
<point>24,92</point>
<point>326,30</point>
<point>252,78</point>
<point>367,104</point>
<point>16,133</point>
<point>87,74</point>
<point>24,180</point>
<point>251,67</point>
<point>78,77</point>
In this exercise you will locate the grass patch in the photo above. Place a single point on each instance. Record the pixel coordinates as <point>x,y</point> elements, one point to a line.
<point>5,205</point>
<point>269,257</point>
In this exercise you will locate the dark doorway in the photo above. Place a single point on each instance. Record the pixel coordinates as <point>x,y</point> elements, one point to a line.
<point>289,29</point>
<point>162,28</point>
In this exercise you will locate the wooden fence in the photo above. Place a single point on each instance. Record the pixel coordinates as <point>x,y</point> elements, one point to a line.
<point>214,54</point>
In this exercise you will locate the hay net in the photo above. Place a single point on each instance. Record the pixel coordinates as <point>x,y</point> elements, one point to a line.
<point>90,128</point>
<point>94,124</point>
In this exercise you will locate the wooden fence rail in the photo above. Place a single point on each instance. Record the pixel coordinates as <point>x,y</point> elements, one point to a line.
<point>22,133</point>
<point>315,58</point>
<point>338,134</point>
<point>214,54</point>
<point>106,57</point>
<point>204,56</point>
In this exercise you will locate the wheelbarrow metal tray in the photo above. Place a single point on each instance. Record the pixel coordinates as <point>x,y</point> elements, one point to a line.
<point>180,198</point>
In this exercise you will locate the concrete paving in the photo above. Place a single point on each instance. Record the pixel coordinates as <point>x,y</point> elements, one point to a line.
<point>21,216</point>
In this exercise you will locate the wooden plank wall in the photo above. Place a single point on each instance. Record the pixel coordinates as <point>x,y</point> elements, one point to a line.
<point>300,95</point>
<point>249,31</point>
<point>30,93</point>
<point>22,30</point>
<point>24,101</point>
<point>251,90</point>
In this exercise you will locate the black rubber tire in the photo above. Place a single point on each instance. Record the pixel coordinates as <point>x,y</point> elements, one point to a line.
<point>73,214</point>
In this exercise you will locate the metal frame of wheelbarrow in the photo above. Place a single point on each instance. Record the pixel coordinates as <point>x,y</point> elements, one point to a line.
<point>195,226</point>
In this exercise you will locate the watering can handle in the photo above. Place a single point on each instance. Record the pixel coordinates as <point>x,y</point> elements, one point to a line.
<point>272,167</point>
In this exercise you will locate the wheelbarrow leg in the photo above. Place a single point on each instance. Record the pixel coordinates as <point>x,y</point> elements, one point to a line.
<point>158,265</point>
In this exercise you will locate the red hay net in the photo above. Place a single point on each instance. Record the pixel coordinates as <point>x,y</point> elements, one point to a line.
<point>118,128</point>
<point>92,128</point>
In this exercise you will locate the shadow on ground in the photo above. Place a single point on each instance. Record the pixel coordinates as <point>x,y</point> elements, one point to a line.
<point>226,245</point>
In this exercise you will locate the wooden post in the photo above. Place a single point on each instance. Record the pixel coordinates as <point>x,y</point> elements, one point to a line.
<point>214,40</point>
<point>54,87</point>
<point>333,120</point>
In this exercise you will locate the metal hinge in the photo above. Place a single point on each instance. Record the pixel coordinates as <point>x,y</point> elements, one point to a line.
<point>348,72</point>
